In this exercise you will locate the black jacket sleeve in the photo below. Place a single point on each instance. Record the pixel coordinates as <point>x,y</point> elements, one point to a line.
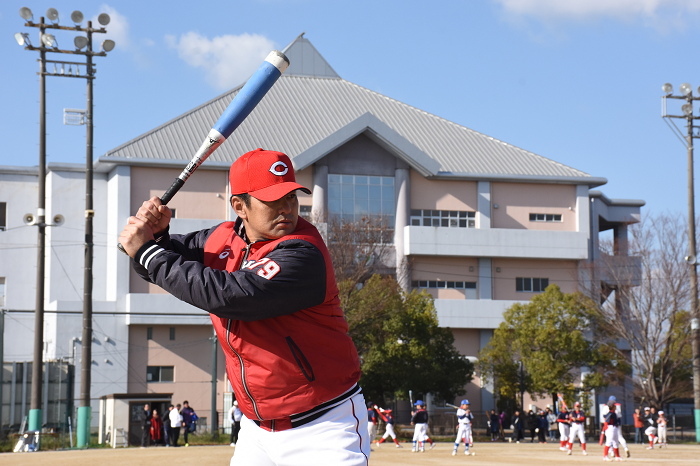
<point>296,281</point>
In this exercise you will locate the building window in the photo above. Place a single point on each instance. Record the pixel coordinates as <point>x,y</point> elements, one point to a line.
<point>2,291</point>
<point>173,213</point>
<point>443,284</point>
<point>172,333</point>
<point>545,218</point>
<point>305,212</point>
<point>149,333</point>
<point>3,216</point>
<point>160,374</point>
<point>352,198</point>
<point>531,285</point>
<point>443,218</point>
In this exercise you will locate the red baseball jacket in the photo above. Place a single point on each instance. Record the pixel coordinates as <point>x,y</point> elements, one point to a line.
<point>275,307</point>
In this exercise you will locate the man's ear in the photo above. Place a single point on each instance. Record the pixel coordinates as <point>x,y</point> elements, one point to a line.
<point>238,206</point>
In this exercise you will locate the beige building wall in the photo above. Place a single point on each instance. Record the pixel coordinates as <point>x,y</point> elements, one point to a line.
<point>563,273</point>
<point>445,269</point>
<point>190,354</point>
<point>516,201</point>
<point>441,194</point>
<point>467,343</point>
<point>305,178</point>
<point>197,198</point>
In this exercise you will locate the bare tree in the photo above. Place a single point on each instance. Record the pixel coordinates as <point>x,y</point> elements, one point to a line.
<point>648,305</point>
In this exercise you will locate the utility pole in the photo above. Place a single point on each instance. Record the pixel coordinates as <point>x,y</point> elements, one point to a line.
<point>691,258</point>
<point>48,43</point>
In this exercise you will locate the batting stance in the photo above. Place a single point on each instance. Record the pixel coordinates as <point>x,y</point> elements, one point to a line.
<point>389,420</point>
<point>578,419</point>
<point>564,421</point>
<point>268,283</point>
<point>464,421</point>
<point>420,431</point>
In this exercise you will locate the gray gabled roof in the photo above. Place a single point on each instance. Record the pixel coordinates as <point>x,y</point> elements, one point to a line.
<point>305,111</point>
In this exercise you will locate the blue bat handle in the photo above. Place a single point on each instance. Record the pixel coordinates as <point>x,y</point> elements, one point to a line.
<point>251,93</point>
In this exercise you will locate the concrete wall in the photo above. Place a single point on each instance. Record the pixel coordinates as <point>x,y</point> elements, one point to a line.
<point>563,273</point>
<point>516,201</point>
<point>197,198</point>
<point>442,195</point>
<point>467,343</point>
<point>190,354</point>
<point>445,269</point>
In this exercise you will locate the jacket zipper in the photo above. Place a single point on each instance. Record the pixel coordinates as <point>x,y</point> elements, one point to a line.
<point>240,359</point>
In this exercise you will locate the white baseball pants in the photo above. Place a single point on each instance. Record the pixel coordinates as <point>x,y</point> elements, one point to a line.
<point>372,431</point>
<point>662,434</point>
<point>464,433</point>
<point>339,437</point>
<point>612,437</point>
<point>564,431</point>
<point>389,431</point>
<point>420,432</point>
<point>577,430</point>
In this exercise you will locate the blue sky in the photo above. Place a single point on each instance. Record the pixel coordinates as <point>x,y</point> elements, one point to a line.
<point>578,81</point>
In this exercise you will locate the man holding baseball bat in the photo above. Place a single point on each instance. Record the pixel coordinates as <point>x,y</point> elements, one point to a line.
<point>268,283</point>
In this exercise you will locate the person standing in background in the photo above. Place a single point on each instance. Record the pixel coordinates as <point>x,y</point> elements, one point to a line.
<point>517,427</point>
<point>167,430</point>
<point>156,428</point>
<point>638,425</point>
<point>532,424</point>
<point>175,424</point>
<point>234,415</point>
<point>189,419</point>
<point>145,426</point>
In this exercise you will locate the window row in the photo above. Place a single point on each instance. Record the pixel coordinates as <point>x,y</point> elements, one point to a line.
<point>443,218</point>
<point>442,284</point>
<point>545,218</point>
<point>530,285</point>
<point>352,198</point>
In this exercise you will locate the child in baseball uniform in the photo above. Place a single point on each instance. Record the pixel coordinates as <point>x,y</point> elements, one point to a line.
<point>620,437</point>
<point>419,419</point>
<point>661,424</point>
<point>611,430</point>
<point>564,421</point>
<point>464,424</point>
<point>650,420</point>
<point>578,422</point>
<point>371,422</point>
<point>389,419</point>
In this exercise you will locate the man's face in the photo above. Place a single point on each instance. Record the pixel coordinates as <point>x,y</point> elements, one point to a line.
<point>268,220</point>
<point>145,407</point>
<point>186,405</point>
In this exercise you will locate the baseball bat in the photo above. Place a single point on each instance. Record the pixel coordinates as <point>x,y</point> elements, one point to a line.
<point>410,397</point>
<point>238,110</point>
<point>451,406</point>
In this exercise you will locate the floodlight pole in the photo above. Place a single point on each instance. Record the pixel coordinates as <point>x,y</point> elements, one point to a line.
<point>35,414</point>
<point>84,411</point>
<point>692,255</point>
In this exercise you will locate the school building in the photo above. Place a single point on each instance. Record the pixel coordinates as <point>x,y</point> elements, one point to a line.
<point>483,224</point>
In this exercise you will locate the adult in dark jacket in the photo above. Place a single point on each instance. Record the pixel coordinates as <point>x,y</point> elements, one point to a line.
<point>543,426</point>
<point>517,427</point>
<point>532,423</point>
<point>145,426</point>
<point>189,419</point>
<point>494,424</point>
<point>268,284</point>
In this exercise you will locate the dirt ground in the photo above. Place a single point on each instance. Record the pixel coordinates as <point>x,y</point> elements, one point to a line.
<point>384,455</point>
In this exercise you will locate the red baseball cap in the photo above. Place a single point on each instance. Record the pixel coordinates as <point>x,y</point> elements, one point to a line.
<point>264,174</point>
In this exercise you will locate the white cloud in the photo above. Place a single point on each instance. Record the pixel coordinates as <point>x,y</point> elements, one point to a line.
<point>582,9</point>
<point>117,29</point>
<point>227,60</point>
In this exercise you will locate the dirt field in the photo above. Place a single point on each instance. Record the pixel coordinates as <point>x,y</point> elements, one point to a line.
<point>385,455</point>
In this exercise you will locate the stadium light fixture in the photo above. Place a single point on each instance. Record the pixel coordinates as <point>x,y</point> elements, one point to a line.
<point>52,14</point>
<point>77,17</point>
<point>103,19</point>
<point>26,13</point>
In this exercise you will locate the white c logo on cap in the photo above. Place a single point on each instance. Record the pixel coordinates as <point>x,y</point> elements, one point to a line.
<point>273,168</point>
